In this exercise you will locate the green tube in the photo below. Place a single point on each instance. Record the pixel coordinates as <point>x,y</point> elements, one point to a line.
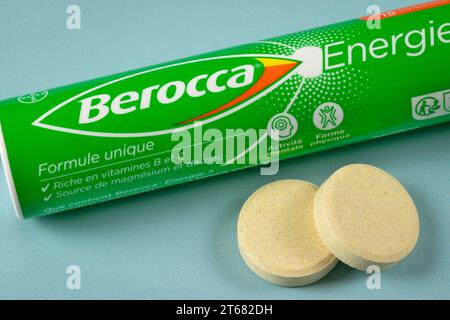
<point>210,114</point>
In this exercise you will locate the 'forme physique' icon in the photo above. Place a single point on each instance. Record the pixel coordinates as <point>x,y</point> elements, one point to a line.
<point>328,116</point>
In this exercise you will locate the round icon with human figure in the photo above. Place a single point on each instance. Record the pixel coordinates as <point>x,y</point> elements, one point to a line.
<point>427,106</point>
<point>328,116</point>
<point>282,126</point>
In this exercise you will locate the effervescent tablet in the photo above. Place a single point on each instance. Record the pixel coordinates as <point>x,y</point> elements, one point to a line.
<point>366,217</point>
<point>277,237</point>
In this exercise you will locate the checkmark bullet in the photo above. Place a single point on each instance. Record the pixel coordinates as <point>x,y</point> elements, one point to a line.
<point>48,197</point>
<point>45,188</point>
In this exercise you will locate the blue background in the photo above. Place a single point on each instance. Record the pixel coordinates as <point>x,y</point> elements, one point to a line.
<point>180,242</point>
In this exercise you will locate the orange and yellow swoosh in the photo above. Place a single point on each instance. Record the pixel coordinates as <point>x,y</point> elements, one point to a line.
<point>274,69</point>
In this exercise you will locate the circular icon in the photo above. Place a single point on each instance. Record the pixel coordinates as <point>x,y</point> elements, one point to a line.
<point>427,106</point>
<point>282,126</point>
<point>328,116</point>
<point>33,97</point>
<point>311,61</point>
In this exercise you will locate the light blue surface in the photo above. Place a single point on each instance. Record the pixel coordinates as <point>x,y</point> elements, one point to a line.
<point>180,242</point>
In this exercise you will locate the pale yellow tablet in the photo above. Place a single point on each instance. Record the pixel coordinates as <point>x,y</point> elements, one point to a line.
<point>366,217</point>
<point>277,237</point>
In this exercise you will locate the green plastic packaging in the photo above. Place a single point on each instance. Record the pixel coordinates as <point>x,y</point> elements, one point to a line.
<point>323,88</point>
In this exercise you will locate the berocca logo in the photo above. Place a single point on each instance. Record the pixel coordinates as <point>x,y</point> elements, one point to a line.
<point>171,98</point>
